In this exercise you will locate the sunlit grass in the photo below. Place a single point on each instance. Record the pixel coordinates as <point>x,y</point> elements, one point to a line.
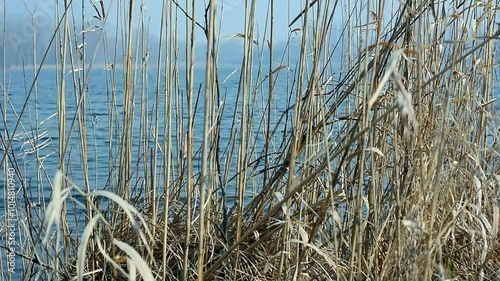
<point>384,164</point>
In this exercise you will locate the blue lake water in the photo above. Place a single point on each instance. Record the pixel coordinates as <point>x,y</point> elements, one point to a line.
<point>39,126</point>
<point>41,112</point>
<point>40,122</point>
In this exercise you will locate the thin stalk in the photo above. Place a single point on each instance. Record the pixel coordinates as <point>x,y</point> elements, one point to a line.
<point>126,137</point>
<point>209,86</point>
<point>190,57</point>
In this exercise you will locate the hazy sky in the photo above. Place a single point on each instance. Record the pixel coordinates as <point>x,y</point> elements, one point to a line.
<point>233,13</point>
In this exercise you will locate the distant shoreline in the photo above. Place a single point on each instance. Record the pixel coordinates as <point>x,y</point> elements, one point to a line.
<point>198,65</point>
<point>54,67</point>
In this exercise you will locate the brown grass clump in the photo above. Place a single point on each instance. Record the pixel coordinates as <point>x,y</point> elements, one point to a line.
<point>383,164</point>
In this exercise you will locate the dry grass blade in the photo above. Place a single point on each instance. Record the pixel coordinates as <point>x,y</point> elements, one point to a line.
<point>317,250</point>
<point>388,72</point>
<point>82,248</point>
<point>136,261</point>
<point>405,104</point>
<point>130,211</point>
<point>55,207</point>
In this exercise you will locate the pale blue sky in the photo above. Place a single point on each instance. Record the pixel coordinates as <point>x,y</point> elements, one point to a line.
<point>233,15</point>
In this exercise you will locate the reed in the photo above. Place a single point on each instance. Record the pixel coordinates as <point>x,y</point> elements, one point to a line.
<point>367,149</point>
